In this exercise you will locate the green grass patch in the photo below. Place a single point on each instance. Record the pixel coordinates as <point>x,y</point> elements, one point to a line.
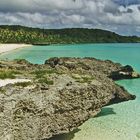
<point>52,71</point>
<point>39,73</point>
<point>23,84</point>
<point>86,79</point>
<point>2,90</point>
<point>21,60</point>
<point>43,73</point>
<point>82,79</point>
<point>46,81</point>
<point>5,74</point>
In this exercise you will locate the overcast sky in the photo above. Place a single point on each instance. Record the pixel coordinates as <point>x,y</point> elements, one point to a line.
<point>121,16</point>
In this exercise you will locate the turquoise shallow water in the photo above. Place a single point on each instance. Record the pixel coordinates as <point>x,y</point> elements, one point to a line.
<point>116,122</point>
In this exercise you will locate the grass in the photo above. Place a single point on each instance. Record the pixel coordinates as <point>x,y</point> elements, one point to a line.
<point>43,73</point>
<point>23,84</point>
<point>87,79</point>
<point>39,73</point>
<point>46,81</point>
<point>52,71</point>
<point>21,60</point>
<point>82,79</point>
<point>41,76</point>
<point>2,90</point>
<point>5,74</point>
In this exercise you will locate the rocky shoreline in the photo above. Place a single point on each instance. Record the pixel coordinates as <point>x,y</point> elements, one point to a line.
<point>63,93</point>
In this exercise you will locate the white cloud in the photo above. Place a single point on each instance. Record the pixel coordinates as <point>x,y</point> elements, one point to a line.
<point>105,14</point>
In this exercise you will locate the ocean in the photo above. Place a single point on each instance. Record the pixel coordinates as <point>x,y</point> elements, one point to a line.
<point>115,122</point>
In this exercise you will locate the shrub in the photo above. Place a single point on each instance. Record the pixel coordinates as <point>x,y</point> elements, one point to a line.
<point>23,84</point>
<point>45,80</point>
<point>5,74</point>
<point>39,73</point>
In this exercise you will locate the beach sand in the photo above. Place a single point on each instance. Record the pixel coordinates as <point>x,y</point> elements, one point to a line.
<point>12,81</point>
<point>9,47</point>
<point>6,48</point>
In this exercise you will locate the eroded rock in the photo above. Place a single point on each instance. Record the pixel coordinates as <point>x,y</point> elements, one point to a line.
<point>65,92</point>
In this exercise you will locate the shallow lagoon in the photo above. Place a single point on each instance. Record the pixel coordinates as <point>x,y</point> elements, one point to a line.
<point>115,122</point>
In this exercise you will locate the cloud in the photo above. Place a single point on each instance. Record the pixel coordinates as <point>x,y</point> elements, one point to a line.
<point>127,2</point>
<point>105,14</point>
<point>39,5</point>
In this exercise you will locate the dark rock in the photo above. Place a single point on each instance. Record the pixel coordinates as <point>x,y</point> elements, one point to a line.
<point>127,68</point>
<point>53,61</point>
<point>117,97</point>
<point>126,72</point>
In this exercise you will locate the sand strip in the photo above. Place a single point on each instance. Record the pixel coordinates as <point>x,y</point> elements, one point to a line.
<point>9,47</point>
<point>12,81</point>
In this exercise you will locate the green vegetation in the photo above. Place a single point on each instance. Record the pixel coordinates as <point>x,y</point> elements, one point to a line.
<point>21,61</point>
<point>23,84</point>
<point>43,73</point>
<point>39,73</point>
<point>20,34</point>
<point>2,90</point>
<point>52,71</point>
<point>5,74</point>
<point>46,81</point>
<point>86,79</point>
<point>82,79</point>
<point>41,76</point>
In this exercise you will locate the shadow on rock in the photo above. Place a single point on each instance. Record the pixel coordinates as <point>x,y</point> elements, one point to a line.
<point>106,111</point>
<point>68,136</point>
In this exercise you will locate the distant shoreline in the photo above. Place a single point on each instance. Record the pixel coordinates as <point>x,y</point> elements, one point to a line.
<point>4,48</point>
<point>39,44</point>
<point>38,36</point>
<point>10,47</point>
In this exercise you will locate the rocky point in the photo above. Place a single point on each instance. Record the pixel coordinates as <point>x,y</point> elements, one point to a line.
<point>61,95</point>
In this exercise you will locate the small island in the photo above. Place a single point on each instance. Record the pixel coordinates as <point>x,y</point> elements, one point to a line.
<point>58,96</point>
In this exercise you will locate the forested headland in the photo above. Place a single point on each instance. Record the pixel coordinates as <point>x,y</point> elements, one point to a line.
<point>21,34</point>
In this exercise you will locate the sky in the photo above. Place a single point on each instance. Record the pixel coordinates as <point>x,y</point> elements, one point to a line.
<point>120,16</point>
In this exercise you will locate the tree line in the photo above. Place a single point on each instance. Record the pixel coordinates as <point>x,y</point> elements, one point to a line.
<point>29,35</point>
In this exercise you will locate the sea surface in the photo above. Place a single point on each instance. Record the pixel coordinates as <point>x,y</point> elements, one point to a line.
<point>115,122</point>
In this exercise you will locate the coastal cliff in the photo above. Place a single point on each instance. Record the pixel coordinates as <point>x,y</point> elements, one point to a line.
<point>61,95</point>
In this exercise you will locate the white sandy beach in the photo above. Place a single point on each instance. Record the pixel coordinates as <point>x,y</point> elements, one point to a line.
<point>9,47</point>
<point>12,81</point>
<point>6,48</point>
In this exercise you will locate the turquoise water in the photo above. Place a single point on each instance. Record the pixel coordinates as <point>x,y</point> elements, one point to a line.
<point>116,122</point>
<point>124,53</point>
